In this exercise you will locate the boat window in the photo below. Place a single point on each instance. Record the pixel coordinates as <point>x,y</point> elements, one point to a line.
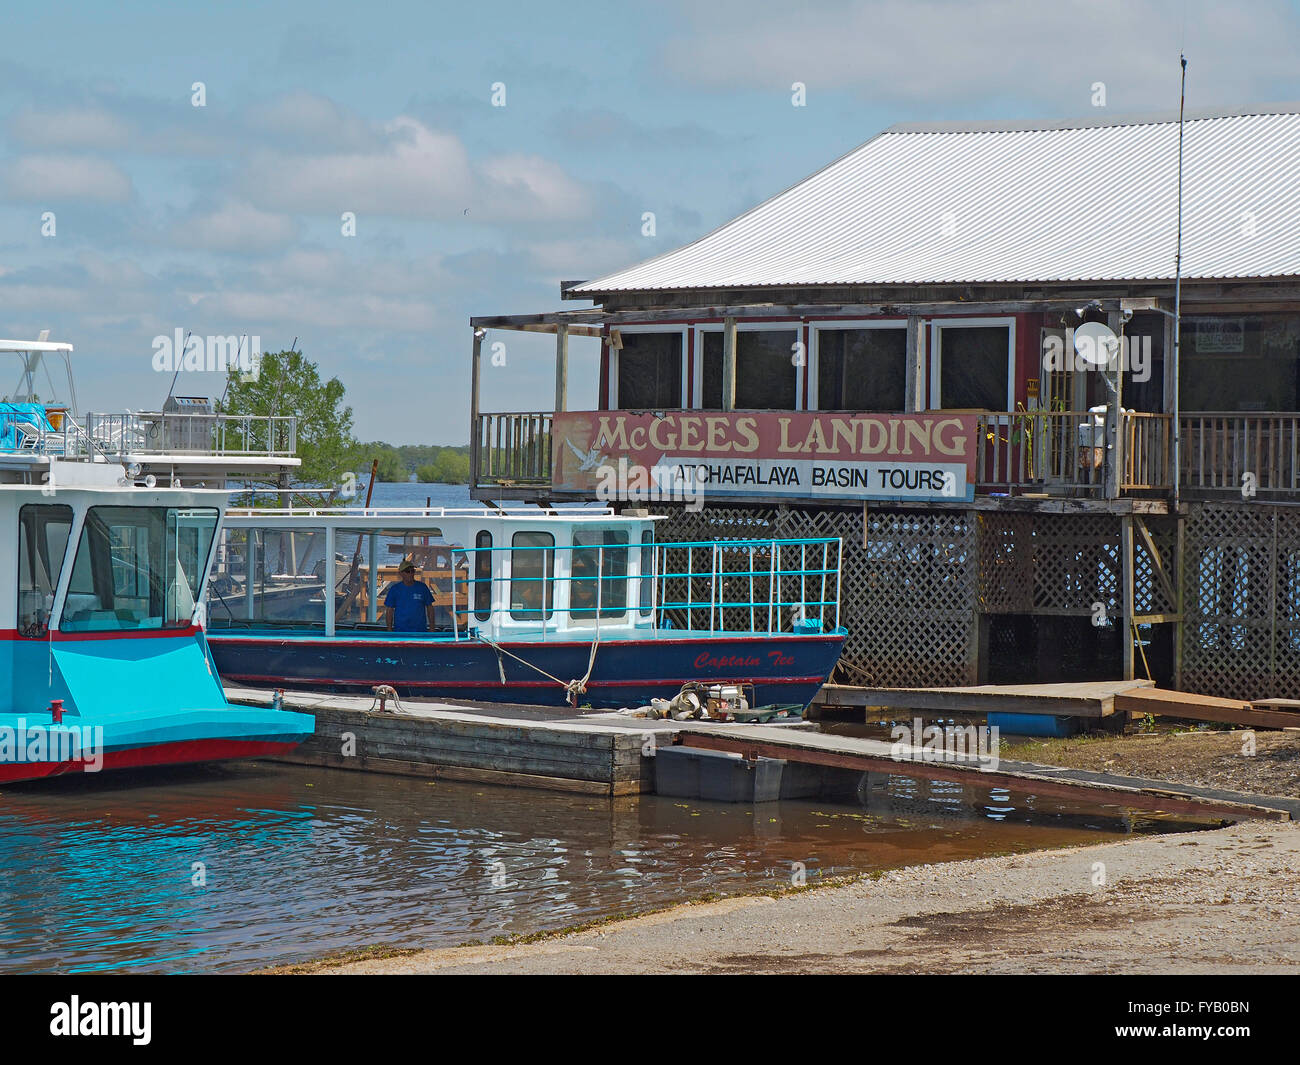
<point>599,569</point>
<point>647,573</point>
<point>43,531</point>
<point>138,568</point>
<point>483,575</point>
<point>532,572</point>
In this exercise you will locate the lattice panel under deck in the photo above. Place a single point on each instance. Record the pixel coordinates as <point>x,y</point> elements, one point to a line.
<point>907,595</point>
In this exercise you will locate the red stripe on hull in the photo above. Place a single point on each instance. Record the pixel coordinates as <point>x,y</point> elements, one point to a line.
<point>256,680</point>
<point>180,753</point>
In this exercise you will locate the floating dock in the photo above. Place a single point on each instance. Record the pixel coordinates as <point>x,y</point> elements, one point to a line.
<point>610,754</point>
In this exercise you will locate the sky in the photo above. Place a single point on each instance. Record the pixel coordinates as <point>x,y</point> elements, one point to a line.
<point>487,152</point>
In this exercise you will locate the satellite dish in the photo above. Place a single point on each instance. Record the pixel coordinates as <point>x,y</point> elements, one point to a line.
<point>1096,344</point>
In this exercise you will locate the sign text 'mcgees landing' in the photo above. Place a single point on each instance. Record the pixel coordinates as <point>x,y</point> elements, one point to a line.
<point>779,453</point>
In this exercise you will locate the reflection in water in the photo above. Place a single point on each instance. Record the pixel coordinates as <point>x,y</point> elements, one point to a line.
<point>227,868</point>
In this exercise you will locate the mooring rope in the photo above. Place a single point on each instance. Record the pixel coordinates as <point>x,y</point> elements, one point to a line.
<point>572,688</point>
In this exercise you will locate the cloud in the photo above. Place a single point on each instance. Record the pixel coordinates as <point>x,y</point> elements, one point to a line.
<point>416,172</point>
<point>939,54</point>
<point>235,226</point>
<point>92,127</point>
<point>59,178</point>
<point>305,119</point>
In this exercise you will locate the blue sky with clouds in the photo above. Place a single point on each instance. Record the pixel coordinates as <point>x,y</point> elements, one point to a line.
<point>225,219</point>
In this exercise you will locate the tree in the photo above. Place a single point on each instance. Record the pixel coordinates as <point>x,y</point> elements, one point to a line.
<point>288,383</point>
<point>448,467</point>
<point>392,467</point>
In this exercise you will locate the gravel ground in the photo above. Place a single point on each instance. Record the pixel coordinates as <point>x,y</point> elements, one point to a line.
<point>1209,759</point>
<point>1222,901</point>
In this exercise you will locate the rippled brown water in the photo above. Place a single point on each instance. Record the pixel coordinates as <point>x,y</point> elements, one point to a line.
<point>97,874</point>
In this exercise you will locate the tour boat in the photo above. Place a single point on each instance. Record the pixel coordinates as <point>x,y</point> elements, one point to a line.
<point>577,606</point>
<point>106,663</point>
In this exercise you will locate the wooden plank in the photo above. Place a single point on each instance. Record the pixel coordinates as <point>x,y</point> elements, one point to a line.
<point>1083,699</point>
<point>1158,701</point>
<point>442,772</point>
<point>874,756</point>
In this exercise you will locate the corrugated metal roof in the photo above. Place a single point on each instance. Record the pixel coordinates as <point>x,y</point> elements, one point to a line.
<point>1008,202</point>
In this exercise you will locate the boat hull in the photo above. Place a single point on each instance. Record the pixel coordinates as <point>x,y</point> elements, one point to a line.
<point>783,668</point>
<point>126,701</point>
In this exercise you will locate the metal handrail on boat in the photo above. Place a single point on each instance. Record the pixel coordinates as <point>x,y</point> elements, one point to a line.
<point>768,585</point>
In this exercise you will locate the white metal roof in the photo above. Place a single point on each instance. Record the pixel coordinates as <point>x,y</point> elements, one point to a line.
<point>1015,202</point>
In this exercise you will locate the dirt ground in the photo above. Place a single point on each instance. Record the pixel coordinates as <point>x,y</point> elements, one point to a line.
<point>1209,759</point>
<point>1223,901</point>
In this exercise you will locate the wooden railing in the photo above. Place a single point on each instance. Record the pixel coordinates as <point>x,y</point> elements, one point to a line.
<point>513,449</point>
<point>1148,451</point>
<point>1232,451</point>
<point>1039,451</point>
<point>1055,452</point>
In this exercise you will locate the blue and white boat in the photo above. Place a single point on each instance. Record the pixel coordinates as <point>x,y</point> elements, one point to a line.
<point>104,662</point>
<point>577,606</point>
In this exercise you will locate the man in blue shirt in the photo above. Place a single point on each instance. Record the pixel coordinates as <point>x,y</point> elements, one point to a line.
<point>408,603</point>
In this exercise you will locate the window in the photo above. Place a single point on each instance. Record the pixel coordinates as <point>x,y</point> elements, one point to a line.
<point>650,371</point>
<point>43,531</point>
<point>1239,363</point>
<point>138,568</point>
<point>532,573</point>
<point>766,374</point>
<point>483,575</point>
<point>861,369</point>
<point>974,367</point>
<point>647,590</point>
<point>599,574</point>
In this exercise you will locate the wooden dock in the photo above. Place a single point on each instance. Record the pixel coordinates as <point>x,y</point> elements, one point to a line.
<point>601,753</point>
<point>878,756</point>
<point>592,753</point>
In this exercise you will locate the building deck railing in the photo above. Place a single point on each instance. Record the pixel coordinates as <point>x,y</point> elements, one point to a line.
<point>513,449</point>
<point>1053,452</point>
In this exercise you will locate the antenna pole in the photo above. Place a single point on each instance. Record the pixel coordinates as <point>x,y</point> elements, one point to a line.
<point>1178,289</point>
<point>179,355</point>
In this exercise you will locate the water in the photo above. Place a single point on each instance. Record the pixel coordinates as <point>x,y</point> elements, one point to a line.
<point>414,494</point>
<point>97,873</point>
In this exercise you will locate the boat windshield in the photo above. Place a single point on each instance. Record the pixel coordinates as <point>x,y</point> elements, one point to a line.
<point>138,568</point>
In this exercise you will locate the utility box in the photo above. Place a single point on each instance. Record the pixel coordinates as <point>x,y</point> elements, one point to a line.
<point>188,424</point>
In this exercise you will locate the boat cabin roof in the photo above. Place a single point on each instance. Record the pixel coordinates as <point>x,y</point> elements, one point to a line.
<point>420,518</point>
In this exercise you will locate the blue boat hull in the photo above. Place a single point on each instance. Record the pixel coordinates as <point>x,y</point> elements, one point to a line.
<point>141,699</point>
<point>783,668</point>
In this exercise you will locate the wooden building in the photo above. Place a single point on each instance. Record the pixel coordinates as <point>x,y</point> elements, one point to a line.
<point>956,347</point>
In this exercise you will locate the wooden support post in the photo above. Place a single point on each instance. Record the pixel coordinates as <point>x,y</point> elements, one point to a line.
<point>1127,562</point>
<point>914,397</point>
<point>729,364</point>
<point>1180,570</point>
<point>561,367</point>
<point>475,365</point>
<point>1117,427</point>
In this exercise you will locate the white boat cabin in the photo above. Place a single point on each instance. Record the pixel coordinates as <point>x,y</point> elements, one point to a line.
<point>521,574</point>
